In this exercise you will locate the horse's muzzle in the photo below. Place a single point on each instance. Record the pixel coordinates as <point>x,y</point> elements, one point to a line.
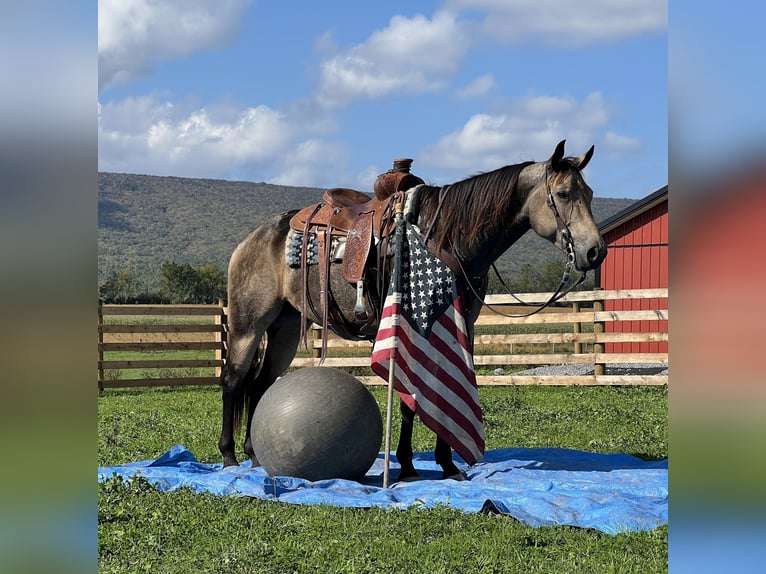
<point>590,258</point>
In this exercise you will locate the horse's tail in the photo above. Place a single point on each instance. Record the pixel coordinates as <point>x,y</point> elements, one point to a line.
<point>239,408</point>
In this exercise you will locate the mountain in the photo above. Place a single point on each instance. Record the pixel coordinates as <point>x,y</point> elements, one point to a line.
<point>145,220</point>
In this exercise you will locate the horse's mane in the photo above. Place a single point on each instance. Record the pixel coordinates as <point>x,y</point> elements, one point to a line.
<point>470,206</point>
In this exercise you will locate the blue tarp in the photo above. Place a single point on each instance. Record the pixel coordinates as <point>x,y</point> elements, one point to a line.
<point>612,493</point>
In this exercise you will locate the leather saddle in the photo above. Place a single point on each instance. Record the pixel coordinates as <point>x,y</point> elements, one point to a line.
<point>364,223</point>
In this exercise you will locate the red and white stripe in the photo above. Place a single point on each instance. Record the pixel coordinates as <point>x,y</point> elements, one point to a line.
<point>435,375</point>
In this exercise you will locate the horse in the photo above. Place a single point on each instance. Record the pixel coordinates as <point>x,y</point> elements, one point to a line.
<point>474,221</point>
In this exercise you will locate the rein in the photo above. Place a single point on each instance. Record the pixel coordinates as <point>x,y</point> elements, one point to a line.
<point>566,236</point>
<point>558,294</point>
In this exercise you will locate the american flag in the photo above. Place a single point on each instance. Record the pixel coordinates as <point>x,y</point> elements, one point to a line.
<point>424,328</point>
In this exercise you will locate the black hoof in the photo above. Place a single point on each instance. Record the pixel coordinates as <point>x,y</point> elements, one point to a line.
<point>408,477</point>
<point>229,461</point>
<point>459,477</point>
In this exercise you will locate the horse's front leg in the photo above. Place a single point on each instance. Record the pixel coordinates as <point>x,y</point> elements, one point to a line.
<point>404,448</point>
<point>443,457</point>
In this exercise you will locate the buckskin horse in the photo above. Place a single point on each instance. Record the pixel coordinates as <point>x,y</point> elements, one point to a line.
<point>273,288</point>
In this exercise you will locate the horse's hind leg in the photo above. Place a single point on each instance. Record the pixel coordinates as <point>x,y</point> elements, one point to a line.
<point>242,347</point>
<point>282,339</point>
<point>404,448</point>
<point>443,457</point>
<point>442,452</point>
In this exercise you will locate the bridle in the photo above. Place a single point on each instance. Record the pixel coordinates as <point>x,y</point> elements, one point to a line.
<point>563,228</point>
<point>566,236</point>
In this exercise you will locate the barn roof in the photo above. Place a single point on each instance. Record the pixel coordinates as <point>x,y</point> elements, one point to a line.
<point>633,210</point>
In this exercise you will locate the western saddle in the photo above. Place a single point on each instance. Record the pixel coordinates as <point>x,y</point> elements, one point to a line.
<point>358,222</point>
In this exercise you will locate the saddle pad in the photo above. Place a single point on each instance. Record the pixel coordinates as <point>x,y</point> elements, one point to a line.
<point>293,253</point>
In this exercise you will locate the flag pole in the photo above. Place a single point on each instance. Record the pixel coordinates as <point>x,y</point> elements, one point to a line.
<point>397,277</point>
<point>389,404</point>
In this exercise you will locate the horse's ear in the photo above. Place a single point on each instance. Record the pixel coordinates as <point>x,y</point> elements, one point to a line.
<point>558,154</point>
<point>583,160</point>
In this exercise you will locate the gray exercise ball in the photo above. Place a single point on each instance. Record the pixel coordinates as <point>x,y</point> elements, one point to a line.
<point>317,423</point>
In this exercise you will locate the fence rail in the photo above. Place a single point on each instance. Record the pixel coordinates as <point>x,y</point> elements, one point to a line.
<point>129,336</point>
<point>159,345</point>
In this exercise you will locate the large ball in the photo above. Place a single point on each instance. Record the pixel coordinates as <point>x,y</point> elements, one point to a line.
<point>317,423</point>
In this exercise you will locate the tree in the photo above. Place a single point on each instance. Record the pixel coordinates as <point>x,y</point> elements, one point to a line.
<point>177,282</point>
<point>551,274</point>
<point>553,271</point>
<point>211,283</point>
<point>536,279</point>
<point>528,280</point>
<point>120,287</point>
<point>182,283</point>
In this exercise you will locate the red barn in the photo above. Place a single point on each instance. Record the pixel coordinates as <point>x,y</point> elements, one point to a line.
<point>637,238</point>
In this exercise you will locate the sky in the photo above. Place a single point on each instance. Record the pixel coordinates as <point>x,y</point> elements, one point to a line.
<point>327,94</point>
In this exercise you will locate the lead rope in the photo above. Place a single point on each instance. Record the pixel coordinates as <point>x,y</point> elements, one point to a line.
<point>558,294</point>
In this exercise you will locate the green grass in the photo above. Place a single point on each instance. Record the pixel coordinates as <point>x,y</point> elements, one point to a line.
<point>141,529</point>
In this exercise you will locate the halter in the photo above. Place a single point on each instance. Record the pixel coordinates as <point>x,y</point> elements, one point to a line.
<point>566,236</point>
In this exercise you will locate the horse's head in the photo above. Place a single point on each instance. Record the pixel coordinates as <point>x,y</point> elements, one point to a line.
<point>558,207</point>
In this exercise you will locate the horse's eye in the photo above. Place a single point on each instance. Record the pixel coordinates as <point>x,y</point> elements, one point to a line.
<point>563,195</point>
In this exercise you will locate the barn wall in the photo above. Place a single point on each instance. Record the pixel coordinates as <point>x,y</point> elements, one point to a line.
<point>637,259</point>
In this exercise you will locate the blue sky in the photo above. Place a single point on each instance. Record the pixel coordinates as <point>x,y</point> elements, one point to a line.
<point>329,93</point>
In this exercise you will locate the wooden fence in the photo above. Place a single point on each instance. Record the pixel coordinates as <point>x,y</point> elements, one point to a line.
<point>158,345</point>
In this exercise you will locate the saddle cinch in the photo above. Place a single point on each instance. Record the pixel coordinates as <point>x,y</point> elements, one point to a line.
<point>351,226</point>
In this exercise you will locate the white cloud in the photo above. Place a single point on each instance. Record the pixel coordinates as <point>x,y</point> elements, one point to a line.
<point>558,23</point>
<point>150,135</point>
<point>416,54</point>
<point>133,35</point>
<point>323,163</point>
<point>546,106</point>
<point>364,180</point>
<point>312,163</point>
<point>411,55</point>
<point>478,87</point>
<point>530,129</point>
<point>154,136</point>
<point>618,146</point>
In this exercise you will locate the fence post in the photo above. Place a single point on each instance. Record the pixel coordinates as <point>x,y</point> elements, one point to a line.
<point>100,346</point>
<point>220,353</point>
<point>316,332</point>
<point>598,327</point>
<point>576,327</point>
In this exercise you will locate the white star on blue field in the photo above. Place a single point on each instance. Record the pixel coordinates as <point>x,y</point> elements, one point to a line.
<point>428,285</point>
